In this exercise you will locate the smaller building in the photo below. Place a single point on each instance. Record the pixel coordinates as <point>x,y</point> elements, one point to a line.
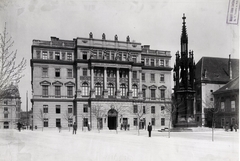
<point>227,101</point>
<point>10,105</point>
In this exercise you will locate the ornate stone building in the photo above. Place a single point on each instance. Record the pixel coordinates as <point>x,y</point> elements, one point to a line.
<point>99,83</point>
<point>10,107</point>
<point>184,88</point>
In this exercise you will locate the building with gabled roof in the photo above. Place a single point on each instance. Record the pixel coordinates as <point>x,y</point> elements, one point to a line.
<point>227,100</point>
<point>212,74</point>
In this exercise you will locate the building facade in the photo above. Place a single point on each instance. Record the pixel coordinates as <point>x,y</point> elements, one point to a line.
<point>10,107</point>
<point>212,74</point>
<point>99,83</point>
<point>227,102</point>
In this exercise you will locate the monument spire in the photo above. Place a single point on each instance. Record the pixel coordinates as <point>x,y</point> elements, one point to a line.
<point>184,38</point>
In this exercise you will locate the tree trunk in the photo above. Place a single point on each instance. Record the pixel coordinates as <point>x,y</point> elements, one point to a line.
<point>170,120</point>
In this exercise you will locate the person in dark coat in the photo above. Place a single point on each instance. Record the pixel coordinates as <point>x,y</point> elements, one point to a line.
<point>235,127</point>
<point>149,129</point>
<point>74,128</point>
<point>19,125</point>
<point>59,127</point>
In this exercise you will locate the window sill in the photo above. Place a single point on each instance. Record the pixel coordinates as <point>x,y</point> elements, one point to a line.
<point>57,77</point>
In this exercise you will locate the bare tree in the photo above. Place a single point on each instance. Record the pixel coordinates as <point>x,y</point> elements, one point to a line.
<point>98,111</point>
<point>171,106</point>
<point>67,116</point>
<point>139,111</point>
<point>41,116</point>
<point>210,110</point>
<point>10,71</point>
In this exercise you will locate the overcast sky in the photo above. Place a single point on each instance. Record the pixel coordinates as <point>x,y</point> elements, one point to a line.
<point>156,23</point>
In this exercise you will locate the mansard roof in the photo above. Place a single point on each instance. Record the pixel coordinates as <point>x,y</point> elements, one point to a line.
<point>216,69</point>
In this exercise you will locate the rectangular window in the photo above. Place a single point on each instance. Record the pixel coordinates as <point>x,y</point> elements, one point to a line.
<point>153,92</point>
<point>134,59</point>
<point>5,109</point>
<point>85,108</point>
<point>58,122</point>
<point>152,62</point>
<point>135,74</point>
<point>85,55</point>
<point>222,106</point>
<point>38,54</point>
<point>147,61</point>
<point>69,73</point>
<point>162,77</point>
<point>44,90</point>
<point>152,77</point>
<point>161,62</point>
<point>70,91</point>
<point>5,115</point>
<point>135,122</point>
<point>162,94</point>
<point>85,122</point>
<point>143,76</point>
<point>163,121</point>
<point>152,109</point>
<point>142,60</point>
<point>153,121</point>
<point>45,55</point>
<point>58,109</point>
<point>144,109</point>
<point>135,109</point>
<point>69,56</point>
<point>57,91</point>
<point>57,56</point>
<point>45,122</point>
<point>5,102</point>
<point>45,108</point>
<point>57,73</point>
<point>144,93</point>
<point>84,71</point>
<point>70,110</point>
<point>63,56</point>
<point>51,55</point>
<point>44,72</point>
<point>233,106</point>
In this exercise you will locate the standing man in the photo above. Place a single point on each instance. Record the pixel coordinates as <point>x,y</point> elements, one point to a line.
<point>74,128</point>
<point>149,129</point>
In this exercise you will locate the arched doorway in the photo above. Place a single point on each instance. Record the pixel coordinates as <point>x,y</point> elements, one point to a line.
<point>112,119</point>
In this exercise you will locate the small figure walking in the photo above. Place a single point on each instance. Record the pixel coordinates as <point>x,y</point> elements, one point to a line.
<point>235,127</point>
<point>149,129</point>
<point>59,128</point>
<point>19,126</point>
<point>74,128</point>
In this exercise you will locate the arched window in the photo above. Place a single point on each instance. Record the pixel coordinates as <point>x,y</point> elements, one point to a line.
<point>123,90</point>
<point>135,90</point>
<point>85,89</point>
<point>98,89</point>
<point>110,89</point>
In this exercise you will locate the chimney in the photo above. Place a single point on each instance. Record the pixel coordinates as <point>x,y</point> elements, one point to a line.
<point>230,67</point>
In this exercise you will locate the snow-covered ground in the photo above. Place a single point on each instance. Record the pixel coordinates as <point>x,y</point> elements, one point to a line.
<point>125,146</point>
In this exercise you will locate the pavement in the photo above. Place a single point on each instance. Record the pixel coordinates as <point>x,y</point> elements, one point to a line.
<point>122,145</point>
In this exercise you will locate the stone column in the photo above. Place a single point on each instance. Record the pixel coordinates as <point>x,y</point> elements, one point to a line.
<point>78,90</point>
<point>130,84</point>
<point>92,83</point>
<point>105,91</point>
<point>140,84</point>
<point>118,84</point>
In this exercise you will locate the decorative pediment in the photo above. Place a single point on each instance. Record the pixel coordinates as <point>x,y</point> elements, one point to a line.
<point>162,87</point>
<point>45,83</point>
<point>152,87</point>
<point>57,83</point>
<point>144,86</point>
<point>69,84</point>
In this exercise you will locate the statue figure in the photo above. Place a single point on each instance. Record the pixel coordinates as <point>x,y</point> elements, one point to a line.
<point>116,38</point>
<point>90,35</point>
<point>128,39</point>
<point>103,36</point>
